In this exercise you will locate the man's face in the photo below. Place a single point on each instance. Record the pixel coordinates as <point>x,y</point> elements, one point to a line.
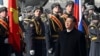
<point>37,12</point>
<point>56,9</point>
<point>69,8</point>
<point>3,14</point>
<point>69,24</point>
<point>83,8</point>
<point>91,11</point>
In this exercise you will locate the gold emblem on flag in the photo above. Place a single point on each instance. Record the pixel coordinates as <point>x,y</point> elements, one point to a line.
<point>15,14</point>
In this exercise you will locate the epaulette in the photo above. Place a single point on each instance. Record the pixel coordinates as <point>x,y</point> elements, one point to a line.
<point>43,17</point>
<point>49,15</point>
<point>26,20</point>
<point>64,16</point>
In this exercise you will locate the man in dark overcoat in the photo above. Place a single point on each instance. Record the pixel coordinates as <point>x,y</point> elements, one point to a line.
<point>71,42</point>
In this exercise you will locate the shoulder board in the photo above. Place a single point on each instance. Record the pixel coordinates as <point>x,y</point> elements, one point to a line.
<point>32,20</point>
<point>92,26</point>
<point>64,16</point>
<point>26,19</point>
<point>49,15</point>
<point>43,18</point>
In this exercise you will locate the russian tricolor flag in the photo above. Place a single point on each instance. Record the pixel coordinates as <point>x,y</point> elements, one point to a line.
<point>78,14</point>
<point>76,9</point>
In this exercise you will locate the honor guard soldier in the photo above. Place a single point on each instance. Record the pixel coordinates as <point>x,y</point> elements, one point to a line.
<point>94,34</point>
<point>91,11</point>
<point>36,33</point>
<point>56,24</point>
<point>4,46</point>
<point>68,9</point>
<point>26,23</point>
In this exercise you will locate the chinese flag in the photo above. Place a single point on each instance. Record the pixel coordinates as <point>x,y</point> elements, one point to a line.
<point>14,36</point>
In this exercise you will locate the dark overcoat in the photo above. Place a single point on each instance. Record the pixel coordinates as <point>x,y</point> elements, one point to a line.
<point>71,44</point>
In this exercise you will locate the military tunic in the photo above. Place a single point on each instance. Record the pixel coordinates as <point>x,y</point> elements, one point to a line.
<point>3,35</point>
<point>95,40</point>
<point>56,25</point>
<point>35,34</point>
<point>40,44</point>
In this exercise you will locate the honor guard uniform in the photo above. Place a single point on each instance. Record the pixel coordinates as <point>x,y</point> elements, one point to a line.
<point>56,24</point>
<point>3,32</point>
<point>94,34</point>
<point>28,30</point>
<point>36,33</point>
<point>91,11</point>
<point>68,10</point>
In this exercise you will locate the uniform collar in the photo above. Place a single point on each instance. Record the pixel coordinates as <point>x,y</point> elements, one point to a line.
<point>69,31</point>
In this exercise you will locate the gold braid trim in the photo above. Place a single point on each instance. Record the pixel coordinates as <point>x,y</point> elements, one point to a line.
<point>57,22</point>
<point>38,29</point>
<point>4,24</point>
<point>64,16</point>
<point>53,25</point>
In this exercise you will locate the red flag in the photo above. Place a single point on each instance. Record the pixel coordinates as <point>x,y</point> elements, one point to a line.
<point>14,36</point>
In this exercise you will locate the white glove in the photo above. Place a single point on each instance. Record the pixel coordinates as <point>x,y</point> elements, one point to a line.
<point>50,50</point>
<point>6,40</point>
<point>13,54</point>
<point>32,52</point>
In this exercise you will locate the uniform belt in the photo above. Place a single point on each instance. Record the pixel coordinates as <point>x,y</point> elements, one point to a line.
<point>94,38</point>
<point>55,36</point>
<point>40,37</point>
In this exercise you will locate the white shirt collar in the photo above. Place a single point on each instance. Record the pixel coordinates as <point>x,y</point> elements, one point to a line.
<point>69,30</point>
